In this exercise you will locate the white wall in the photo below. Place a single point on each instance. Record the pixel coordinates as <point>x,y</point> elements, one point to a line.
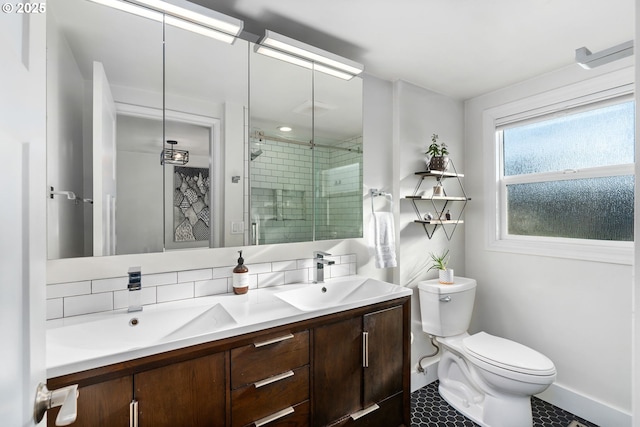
<point>577,313</point>
<point>64,135</point>
<point>419,114</point>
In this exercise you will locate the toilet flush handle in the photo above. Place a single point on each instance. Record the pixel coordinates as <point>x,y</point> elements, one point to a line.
<point>445,299</point>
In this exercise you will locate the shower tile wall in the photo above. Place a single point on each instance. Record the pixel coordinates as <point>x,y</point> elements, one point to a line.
<point>282,192</point>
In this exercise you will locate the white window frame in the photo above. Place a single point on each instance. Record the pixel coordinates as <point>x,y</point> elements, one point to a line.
<point>595,90</point>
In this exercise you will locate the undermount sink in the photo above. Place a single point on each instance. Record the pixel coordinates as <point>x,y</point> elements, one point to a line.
<point>124,331</point>
<point>338,292</point>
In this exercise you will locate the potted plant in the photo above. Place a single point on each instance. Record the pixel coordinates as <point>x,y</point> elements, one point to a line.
<point>439,262</point>
<point>439,153</point>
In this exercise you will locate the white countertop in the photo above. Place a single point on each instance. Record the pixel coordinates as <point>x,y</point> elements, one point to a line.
<point>85,342</point>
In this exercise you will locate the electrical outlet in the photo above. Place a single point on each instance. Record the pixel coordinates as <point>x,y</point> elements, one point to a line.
<point>574,423</point>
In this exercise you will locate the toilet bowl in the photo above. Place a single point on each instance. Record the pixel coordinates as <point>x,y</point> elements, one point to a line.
<point>487,378</point>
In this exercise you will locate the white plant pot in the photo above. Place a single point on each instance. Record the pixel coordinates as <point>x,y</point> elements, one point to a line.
<point>446,276</point>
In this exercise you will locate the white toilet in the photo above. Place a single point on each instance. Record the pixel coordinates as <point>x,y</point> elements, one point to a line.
<point>488,379</point>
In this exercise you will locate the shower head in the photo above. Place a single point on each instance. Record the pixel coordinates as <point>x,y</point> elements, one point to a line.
<point>256,154</point>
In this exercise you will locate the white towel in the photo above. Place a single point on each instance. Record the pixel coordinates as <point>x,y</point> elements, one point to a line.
<point>383,239</point>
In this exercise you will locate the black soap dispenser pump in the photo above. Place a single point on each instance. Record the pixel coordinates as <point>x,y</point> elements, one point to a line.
<point>240,277</point>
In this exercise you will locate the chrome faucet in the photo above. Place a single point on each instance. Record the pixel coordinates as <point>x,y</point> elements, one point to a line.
<point>135,289</point>
<point>318,271</point>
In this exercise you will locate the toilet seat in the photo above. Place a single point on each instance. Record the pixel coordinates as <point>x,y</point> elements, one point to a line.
<point>499,355</point>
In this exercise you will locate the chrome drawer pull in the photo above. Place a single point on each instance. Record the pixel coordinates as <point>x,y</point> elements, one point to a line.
<point>364,412</point>
<point>273,341</point>
<point>273,379</point>
<point>273,417</point>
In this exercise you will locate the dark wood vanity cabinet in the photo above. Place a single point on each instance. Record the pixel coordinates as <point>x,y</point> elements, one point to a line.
<point>326,371</point>
<point>365,355</point>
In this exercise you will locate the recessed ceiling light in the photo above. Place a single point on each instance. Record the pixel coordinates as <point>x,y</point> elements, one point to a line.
<point>285,129</point>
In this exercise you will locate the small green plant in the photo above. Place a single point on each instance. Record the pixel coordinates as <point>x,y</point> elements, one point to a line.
<point>439,262</point>
<point>437,149</point>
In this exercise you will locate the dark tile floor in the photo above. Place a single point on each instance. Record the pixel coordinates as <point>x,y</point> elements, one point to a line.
<point>428,409</point>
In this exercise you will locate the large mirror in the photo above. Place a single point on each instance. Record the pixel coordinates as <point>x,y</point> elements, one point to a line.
<point>122,89</point>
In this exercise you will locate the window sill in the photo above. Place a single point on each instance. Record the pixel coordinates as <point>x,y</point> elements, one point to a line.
<point>596,251</point>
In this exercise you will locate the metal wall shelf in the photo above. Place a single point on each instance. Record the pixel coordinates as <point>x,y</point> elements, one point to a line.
<point>439,202</point>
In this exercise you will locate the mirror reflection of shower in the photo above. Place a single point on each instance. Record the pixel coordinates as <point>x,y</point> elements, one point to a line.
<point>256,143</point>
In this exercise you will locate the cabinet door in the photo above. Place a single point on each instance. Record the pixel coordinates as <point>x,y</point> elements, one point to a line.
<point>102,404</point>
<point>337,370</point>
<point>383,372</point>
<point>190,393</point>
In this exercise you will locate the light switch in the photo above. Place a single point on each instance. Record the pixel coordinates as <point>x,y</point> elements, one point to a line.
<point>237,227</point>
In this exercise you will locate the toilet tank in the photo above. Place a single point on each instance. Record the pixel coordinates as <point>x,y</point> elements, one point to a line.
<point>446,309</point>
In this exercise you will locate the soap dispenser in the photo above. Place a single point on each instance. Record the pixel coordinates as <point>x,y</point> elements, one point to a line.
<point>240,277</point>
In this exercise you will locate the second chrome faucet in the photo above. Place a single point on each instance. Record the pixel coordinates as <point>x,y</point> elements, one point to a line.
<point>320,262</point>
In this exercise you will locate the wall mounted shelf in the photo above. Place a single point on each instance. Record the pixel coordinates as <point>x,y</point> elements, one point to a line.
<point>442,204</point>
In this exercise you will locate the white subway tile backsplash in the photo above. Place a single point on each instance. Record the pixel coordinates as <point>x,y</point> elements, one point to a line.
<point>284,265</point>
<point>159,279</point>
<point>270,279</point>
<point>55,308</point>
<point>85,304</point>
<point>264,267</point>
<point>147,296</point>
<point>85,297</point>
<point>211,287</point>
<point>296,276</point>
<point>220,272</point>
<point>60,290</point>
<point>194,275</point>
<point>339,270</point>
<point>175,292</point>
<point>109,285</point>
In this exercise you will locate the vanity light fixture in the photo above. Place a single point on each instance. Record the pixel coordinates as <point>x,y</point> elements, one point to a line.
<point>291,50</point>
<point>588,60</point>
<point>173,156</point>
<point>183,14</point>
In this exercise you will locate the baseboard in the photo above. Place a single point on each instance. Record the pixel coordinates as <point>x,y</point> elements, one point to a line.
<point>421,379</point>
<point>585,407</point>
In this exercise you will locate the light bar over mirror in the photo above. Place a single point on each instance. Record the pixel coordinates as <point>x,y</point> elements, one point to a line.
<point>294,51</point>
<point>183,14</point>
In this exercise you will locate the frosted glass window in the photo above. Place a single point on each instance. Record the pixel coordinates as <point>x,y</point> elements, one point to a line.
<point>596,208</point>
<point>570,175</point>
<point>600,137</point>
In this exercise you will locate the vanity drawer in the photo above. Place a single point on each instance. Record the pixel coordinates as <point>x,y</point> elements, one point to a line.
<point>293,416</point>
<point>268,356</point>
<point>388,414</point>
<point>257,401</point>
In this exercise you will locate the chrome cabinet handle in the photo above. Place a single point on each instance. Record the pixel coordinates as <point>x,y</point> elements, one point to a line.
<point>273,341</point>
<point>133,413</point>
<point>445,299</point>
<point>364,412</point>
<point>273,379</point>
<point>273,417</point>
<point>365,349</point>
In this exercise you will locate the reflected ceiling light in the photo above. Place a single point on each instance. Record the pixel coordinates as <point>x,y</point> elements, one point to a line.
<point>173,156</point>
<point>588,60</point>
<point>199,29</point>
<point>131,8</point>
<point>325,62</point>
<point>285,129</point>
<point>183,14</point>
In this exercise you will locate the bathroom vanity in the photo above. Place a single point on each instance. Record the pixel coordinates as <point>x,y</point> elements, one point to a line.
<point>346,363</point>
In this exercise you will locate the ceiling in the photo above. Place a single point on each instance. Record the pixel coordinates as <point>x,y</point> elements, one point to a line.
<point>460,48</point>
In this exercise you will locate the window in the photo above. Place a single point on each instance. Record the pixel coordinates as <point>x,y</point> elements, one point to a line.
<point>564,174</point>
<point>570,176</point>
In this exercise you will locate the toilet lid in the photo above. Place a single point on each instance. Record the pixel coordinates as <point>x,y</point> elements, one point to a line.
<point>507,354</point>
